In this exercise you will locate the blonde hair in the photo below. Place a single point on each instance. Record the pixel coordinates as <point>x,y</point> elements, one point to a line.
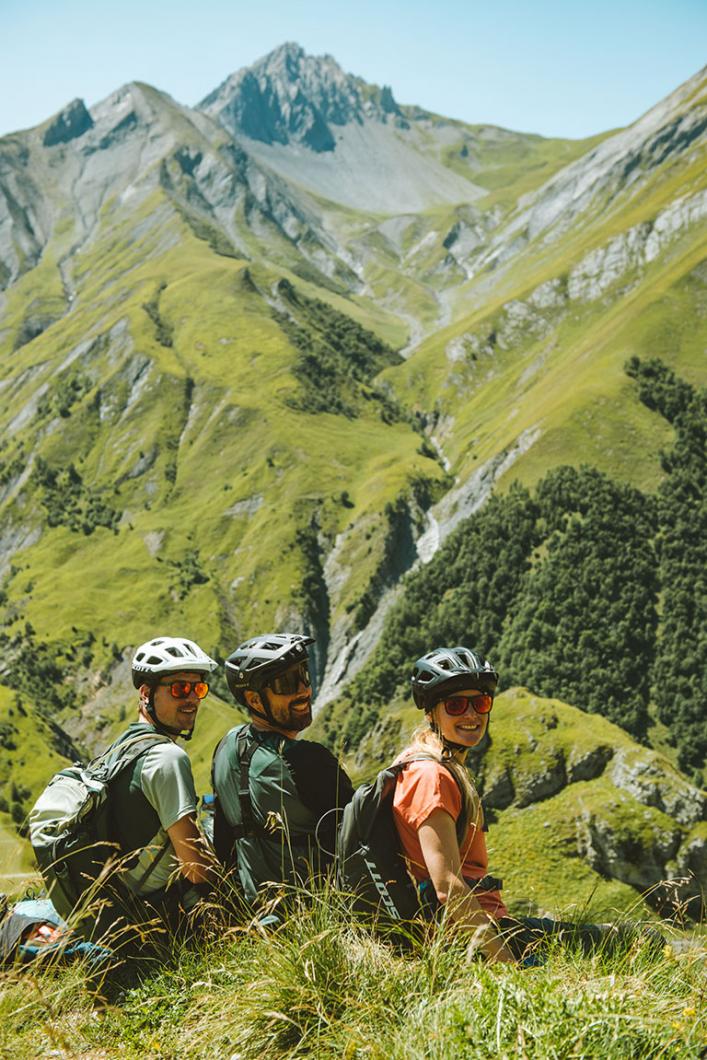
<point>425,741</point>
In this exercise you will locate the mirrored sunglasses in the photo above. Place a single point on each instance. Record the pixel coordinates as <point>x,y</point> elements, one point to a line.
<point>182,689</point>
<point>455,706</point>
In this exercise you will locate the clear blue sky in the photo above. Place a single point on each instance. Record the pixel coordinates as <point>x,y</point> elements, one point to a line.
<point>557,67</point>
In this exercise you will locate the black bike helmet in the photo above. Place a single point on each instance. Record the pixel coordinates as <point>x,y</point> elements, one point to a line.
<point>447,670</point>
<point>255,663</point>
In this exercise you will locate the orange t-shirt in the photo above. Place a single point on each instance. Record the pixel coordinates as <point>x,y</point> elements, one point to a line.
<point>421,788</point>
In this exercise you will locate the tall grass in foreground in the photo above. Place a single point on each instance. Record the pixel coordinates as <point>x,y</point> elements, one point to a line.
<point>322,985</point>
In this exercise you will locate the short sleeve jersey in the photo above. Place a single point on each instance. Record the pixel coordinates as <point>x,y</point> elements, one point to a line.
<point>167,783</point>
<point>426,786</point>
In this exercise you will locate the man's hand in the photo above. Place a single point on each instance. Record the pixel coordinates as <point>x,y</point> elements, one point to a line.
<point>196,861</point>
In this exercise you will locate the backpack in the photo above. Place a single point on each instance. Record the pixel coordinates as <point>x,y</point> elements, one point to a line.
<point>33,929</point>
<point>69,825</point>
<point>370,863</point>
<point>273,833</point>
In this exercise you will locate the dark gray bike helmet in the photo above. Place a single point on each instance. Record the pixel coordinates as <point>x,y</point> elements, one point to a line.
<point>254,663</point>
<point>444,671</point>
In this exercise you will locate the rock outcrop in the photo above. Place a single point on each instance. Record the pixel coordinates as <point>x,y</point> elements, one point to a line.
<point>71,122</point>
<point>636,818</point>
<point>636,854</point>
<point>645,777</point>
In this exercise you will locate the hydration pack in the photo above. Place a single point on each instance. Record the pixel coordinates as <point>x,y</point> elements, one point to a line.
<point>270,831</point>
<point>69,823</point>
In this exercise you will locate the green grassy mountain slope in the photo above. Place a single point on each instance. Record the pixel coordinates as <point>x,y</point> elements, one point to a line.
<point>234,400</point>
<point>108,466</point>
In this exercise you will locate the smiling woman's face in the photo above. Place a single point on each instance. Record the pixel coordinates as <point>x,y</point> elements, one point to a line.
<point>467,729</point>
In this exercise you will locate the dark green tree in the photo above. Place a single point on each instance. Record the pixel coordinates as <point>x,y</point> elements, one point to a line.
<point>679,671</point>
<point>583,626</point>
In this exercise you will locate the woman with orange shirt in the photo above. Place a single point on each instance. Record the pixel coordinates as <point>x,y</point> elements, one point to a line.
<point>436,809</point>
<point>438,813</point>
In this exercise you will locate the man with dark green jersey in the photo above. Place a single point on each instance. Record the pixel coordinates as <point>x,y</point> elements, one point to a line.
<point>277,796</point>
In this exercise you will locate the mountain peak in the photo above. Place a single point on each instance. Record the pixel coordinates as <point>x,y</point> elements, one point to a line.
<point>290,96</point>
<point>290,50</point>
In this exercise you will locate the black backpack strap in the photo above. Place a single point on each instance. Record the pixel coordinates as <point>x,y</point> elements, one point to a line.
<point>126,753</point>
<point>217,748</point>
<point>246,750</point>
<point>246,744</point>
<point>153,865</point>
<point>486,883</point>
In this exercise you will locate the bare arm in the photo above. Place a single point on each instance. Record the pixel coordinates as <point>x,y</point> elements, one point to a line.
<point>194,859</point>
<point>440,850</point>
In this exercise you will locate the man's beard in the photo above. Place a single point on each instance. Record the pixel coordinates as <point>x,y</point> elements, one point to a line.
<point>299,719</point>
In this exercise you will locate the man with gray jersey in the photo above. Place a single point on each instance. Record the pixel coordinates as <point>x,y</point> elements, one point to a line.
<point>153,803</point>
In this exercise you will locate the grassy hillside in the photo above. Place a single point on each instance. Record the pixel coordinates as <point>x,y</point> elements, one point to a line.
<point>323,986</point>
<point>155,398</point>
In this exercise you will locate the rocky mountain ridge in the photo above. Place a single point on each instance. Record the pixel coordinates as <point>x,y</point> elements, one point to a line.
<point>617,166</point>
<point>290,97</point>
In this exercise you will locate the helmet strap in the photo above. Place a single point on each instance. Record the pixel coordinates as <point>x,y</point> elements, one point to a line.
<point>448,746</point>
<point>268,715</point>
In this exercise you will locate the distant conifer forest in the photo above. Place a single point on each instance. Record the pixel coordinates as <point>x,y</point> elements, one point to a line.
<point>586,589</point>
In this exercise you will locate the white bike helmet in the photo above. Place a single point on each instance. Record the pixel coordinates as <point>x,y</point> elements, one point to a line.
<point>165,655</point>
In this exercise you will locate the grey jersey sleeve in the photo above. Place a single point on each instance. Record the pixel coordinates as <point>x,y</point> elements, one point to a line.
<point>168,784</point>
